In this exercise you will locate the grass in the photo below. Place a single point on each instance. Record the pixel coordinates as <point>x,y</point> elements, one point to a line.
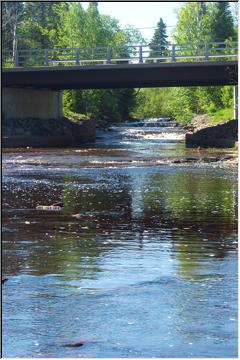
<point>75,116</point>
<point>221,115</point>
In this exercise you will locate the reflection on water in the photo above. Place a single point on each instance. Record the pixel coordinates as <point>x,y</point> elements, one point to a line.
<point>148,267</point>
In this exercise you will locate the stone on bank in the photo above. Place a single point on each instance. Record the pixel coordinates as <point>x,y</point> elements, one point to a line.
<point>47,133</point>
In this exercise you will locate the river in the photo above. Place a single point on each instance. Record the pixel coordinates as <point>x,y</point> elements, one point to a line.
<point>140,262</point>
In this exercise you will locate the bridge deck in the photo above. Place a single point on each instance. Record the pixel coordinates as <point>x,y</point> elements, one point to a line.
<point>205,73</point>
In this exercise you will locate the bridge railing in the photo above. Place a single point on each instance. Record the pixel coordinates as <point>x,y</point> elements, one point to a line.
<point>121,54</point>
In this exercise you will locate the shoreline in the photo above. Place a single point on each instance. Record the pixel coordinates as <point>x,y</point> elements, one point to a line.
<point>67,132</point>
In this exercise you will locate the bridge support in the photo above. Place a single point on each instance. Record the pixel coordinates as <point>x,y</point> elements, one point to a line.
<point>33,118</point>
<point>21,104</point>
<point>235,101</point>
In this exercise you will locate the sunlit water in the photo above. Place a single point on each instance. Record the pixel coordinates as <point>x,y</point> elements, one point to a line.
<point>147,269</point>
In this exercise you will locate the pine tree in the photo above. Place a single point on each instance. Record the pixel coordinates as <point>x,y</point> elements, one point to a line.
<point>222,22</point>
<point>159,43</point>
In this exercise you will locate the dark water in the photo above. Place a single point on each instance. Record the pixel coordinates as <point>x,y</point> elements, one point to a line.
<point>149,267</point>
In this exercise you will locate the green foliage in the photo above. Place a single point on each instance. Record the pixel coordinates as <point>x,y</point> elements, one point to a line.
<point>76,116</point>
<point>39,30</point>
<point>111,104</point>
<point>46,25</point>
<point>202,22</point>
<point>193,24</point>
<point>153,102</point>
<point>197,22</point>
<point>183,104</point>
<point>221,115</point>
<point>209,98</point>
<point>90,29</point>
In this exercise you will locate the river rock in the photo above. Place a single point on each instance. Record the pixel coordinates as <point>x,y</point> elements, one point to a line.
<point>77,216</point>
<point>73,344</point>
<point>221,135</point>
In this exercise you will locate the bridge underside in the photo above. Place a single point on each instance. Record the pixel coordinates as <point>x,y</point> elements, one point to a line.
<point>207,73</point>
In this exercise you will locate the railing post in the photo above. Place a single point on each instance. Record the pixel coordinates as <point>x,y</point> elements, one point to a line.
<point>77,57</point>
<point>16,59</point>
<point>140,55</point>
<point>46,62</point>
<point>206,51</point>
<point>173,52</point>
<point>109,55</point>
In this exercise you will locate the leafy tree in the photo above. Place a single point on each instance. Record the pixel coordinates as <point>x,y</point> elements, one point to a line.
<point>202,22</point>
<point>13,13</point>
<point>40,29</point>
<point>72,26</point>
<point>87,29</point>
<point>193,24</point>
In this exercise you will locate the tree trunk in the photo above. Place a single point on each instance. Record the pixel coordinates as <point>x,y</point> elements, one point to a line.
<point>14,42</point>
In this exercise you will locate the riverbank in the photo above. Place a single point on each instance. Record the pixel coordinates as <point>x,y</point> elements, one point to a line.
<point>221,135</point>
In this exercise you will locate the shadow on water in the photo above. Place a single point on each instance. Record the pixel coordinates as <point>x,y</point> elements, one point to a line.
<point>147,268</point>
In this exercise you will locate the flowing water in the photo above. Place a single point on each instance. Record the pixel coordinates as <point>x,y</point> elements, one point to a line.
<point>148,267</point>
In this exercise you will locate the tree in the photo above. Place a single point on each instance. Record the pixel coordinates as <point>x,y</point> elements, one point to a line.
<point>12,15</point>
<point>159,43</point>
<point>72,31</point>
<point>197,22</point>
<point>193,24</point>
<point>90,29</point>
<point>200,22</point>
<point>41,27</point>
<point>222,22</point>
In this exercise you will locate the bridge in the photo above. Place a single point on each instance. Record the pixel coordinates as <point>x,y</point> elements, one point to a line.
<point>26,72</point>
<point>130,66</point>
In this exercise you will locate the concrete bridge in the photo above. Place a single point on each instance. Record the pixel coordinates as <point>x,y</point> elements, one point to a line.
<point>33,83</point>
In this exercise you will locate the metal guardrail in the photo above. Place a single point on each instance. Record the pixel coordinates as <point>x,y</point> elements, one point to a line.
<point>133,54</point>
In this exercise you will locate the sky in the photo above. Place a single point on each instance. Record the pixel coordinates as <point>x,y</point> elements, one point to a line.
<point>141,14</point>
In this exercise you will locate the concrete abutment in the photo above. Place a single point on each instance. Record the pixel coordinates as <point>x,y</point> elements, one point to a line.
<point>34,118</point>
<point>19,103</point>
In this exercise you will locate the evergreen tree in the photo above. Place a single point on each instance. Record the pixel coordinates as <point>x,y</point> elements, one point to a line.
<point>222,22</point>
<point>159,43</point>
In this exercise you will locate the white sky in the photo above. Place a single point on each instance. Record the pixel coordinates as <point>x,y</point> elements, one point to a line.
<point>141,14</point>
